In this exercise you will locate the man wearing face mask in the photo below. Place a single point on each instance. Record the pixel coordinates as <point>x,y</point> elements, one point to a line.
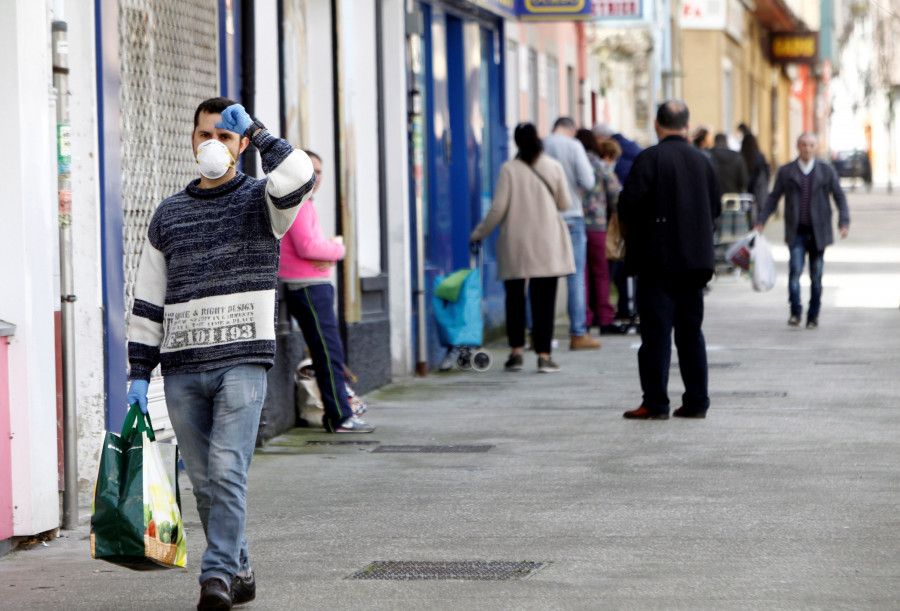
<point>204,308</point>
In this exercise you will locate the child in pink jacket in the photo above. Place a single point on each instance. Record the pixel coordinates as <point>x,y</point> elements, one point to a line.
<point>306,265</point>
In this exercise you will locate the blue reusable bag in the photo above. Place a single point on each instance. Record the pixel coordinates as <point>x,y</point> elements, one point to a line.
<point>460,322</point>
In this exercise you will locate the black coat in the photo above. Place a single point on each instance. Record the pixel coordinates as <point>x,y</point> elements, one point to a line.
<point>669,204</point>
<point>731,169</point>
<point>825,185</point>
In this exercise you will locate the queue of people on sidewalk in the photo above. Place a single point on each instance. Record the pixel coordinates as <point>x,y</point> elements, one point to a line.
<point>205,294</point>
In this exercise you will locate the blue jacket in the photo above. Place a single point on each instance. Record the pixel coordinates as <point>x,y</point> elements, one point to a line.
<point>630,150</point>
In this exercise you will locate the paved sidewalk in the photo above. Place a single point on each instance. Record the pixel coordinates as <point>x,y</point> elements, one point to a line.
<point>785,497</point>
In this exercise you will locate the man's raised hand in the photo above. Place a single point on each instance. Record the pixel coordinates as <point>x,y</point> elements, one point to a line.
<point>235,119</point>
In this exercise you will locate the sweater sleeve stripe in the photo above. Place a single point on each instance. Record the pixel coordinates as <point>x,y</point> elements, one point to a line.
<point>288,186</point>
<point>145,330</point>
<point>147,310</point>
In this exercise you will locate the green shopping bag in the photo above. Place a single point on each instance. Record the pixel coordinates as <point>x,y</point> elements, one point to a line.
<point>136,518</point>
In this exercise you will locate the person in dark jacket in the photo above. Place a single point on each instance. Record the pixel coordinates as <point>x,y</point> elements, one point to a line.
<point>758,168</point>
<point>806,186</point>
<point>729,165</point>
<point>669,204</point>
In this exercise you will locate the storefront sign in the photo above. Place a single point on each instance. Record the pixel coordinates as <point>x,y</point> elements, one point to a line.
<point>604,9</point>
<point>539,10</point>
<point>794,47</point>
<point>703,15</point>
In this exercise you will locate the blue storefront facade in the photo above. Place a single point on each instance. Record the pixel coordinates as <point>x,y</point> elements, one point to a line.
<point>459,138</point>
<point>458,148</point>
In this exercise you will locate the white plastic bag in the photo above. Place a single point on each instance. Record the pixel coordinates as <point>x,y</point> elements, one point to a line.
<point>762,265</point>
<point>739,253</point>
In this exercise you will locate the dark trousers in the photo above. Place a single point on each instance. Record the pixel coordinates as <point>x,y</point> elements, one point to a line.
<point>313,308</point>
<point>542,295</point>
<point>674,302</point>
<point>599,310</point>
<point>624,309</point>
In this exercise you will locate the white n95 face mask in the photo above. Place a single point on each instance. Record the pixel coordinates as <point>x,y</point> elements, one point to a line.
<point>214,159</point>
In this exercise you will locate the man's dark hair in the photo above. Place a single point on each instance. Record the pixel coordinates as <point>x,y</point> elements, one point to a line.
<point>673,114</point>
<point>721,139</point>
<point>563,122</point>
<point>313,154</point>
<point>528,142</point>
<point>212,106</point>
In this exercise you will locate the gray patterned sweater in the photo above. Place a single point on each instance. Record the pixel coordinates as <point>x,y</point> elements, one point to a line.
<point>205,294</point>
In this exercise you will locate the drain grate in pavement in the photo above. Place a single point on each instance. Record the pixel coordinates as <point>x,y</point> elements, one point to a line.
<point>473,571</point>
<point>842,363</point>
<point>430,449</point>
<point>473,383</point>
<point>342,442</point>
<point>749,393</point>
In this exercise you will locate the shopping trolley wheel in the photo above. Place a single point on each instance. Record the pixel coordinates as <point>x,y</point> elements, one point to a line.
<point>481,361</point>
<point>464,360</point>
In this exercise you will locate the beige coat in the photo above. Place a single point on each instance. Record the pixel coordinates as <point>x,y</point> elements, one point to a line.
<point>534,240</point>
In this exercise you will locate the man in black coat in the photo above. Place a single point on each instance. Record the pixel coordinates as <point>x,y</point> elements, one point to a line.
<point>807,186</point>
<point>730,166</point>
<point>669,204</point>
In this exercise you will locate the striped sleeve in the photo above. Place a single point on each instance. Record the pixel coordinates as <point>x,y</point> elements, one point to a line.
<point>145,331</point>
<point>290,180</point>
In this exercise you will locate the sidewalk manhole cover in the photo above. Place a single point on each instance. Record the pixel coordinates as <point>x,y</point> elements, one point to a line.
<point>342,442</point>
<point>475,571</point>
<point>430,449</point>
<point>749,393</point>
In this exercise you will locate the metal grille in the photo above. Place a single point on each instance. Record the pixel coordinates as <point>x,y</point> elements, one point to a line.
<point>430,449</point>
<point>342,443</point>
<point>169,64</point>
<point>474,571</point>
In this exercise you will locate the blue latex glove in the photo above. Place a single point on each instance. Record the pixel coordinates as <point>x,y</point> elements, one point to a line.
<point>137,393</point>
<point>235,119</point>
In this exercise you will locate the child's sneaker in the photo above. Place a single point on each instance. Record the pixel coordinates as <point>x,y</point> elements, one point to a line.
<point>353,424</point>
<point>356,404</point>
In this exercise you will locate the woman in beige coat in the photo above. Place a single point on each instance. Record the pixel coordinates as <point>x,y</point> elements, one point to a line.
<point>533,244</point>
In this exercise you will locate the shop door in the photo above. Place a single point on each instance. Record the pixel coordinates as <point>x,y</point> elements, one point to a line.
<point>462,116</point>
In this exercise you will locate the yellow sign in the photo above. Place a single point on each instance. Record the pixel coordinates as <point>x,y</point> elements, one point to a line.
<point>554,6</point>
<point>794,47</point>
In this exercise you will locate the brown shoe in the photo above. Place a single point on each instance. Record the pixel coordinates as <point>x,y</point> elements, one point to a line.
<point>583,342</point>
<point>642,413</point>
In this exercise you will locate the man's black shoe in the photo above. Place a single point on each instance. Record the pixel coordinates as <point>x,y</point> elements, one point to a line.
<point>214,594</point>
<point>243,589</point>
<point>683,412</point>
<point>642,413</point>
<point>613,329</point>
<point>812,323</point>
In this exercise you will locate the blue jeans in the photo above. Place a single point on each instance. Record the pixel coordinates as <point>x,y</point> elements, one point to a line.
<point>805,244</point>
<point>575,282</point>
<point>215,415</point>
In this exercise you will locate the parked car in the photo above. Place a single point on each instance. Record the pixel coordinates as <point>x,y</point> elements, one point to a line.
<point>853,164</point>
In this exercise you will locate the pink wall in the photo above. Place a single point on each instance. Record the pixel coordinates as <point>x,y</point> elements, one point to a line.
<point>6,507</point>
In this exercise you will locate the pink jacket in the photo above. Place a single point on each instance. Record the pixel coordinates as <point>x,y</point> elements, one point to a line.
<point>303,243</point>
